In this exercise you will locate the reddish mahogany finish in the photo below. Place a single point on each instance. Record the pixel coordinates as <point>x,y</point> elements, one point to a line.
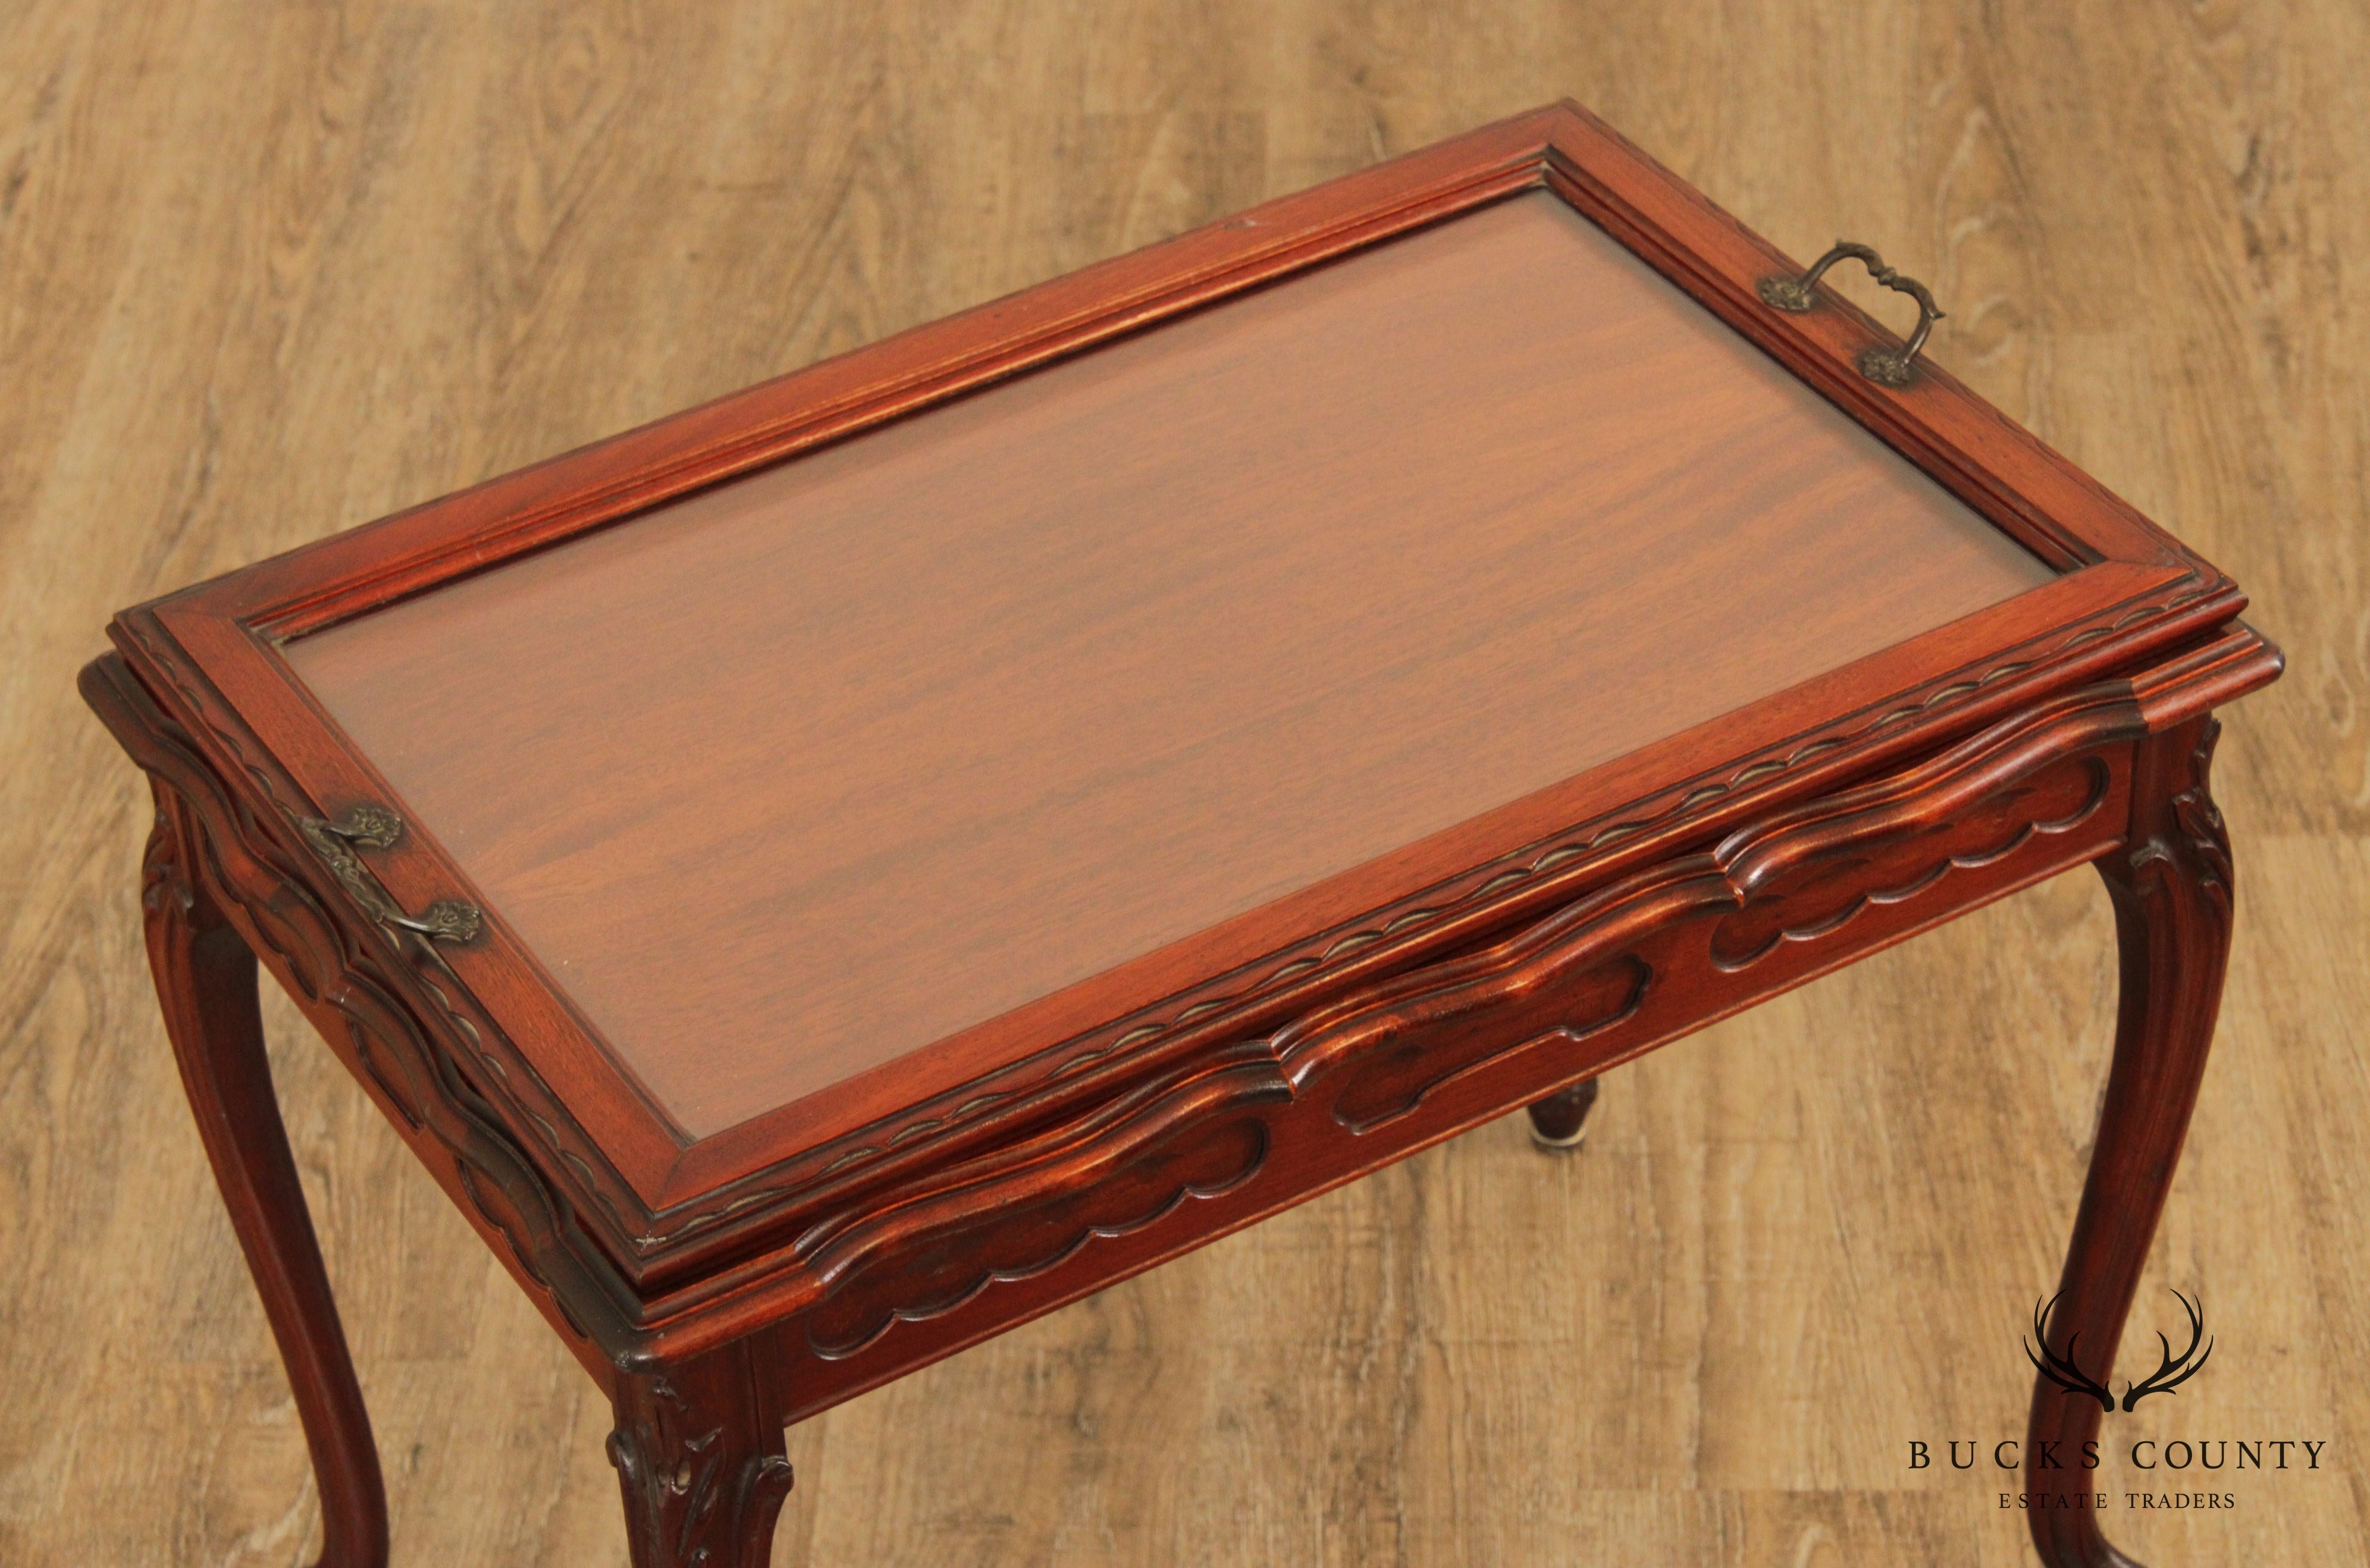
<point>698,1452</point>
<point>2172,887</point>
<point>723,1280</point>
<point>1022,688</point>
<point>205,980</point>
<point>2123,588</point>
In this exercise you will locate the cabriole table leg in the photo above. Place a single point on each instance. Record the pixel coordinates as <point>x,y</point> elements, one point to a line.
<point>2171,886</point>
<point>699,1451</point>
<point>206,984</point>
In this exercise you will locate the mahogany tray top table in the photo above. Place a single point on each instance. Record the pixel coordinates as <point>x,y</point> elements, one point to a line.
<point>831,875</point>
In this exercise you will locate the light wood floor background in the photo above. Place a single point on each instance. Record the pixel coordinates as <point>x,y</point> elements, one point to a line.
<point>267,271</point>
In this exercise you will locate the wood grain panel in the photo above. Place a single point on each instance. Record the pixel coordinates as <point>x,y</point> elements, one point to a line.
<point>266,275</point>
<point>792,778</point>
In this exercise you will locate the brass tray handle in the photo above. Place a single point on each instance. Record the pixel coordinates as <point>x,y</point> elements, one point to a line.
<point>376,827</point>
<point>1886,367</point>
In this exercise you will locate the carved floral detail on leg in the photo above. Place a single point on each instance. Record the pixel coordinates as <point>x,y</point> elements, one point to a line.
<point>2199,822</point>
<point>164,880</point>
<point>702,1484</point>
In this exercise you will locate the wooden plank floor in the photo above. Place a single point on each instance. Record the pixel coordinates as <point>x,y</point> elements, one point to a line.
<point>267,271</point>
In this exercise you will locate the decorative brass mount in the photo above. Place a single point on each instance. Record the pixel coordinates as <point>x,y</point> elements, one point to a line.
<point>376,827</point>
<point>1886,367</point>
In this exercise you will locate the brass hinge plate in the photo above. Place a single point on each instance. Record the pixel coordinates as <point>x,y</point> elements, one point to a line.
<point>376,827</point>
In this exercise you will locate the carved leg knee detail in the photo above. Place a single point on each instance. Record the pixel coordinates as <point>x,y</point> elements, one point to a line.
<point>700,1457</point>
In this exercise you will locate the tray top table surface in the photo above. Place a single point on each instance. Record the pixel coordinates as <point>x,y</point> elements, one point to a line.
<point>833,753</point>
<point>787,780</point>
